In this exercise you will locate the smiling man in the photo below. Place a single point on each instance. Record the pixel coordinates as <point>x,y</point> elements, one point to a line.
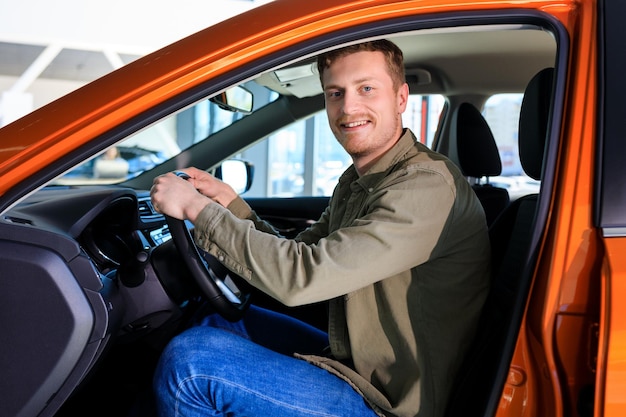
<point>364,103</point>
<point>401,254</point>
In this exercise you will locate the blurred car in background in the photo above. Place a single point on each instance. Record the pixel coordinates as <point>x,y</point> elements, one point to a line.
<point>127,162</point>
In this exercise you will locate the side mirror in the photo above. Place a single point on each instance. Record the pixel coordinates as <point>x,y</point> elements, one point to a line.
<point>236,173</point>
<point>236,99</point>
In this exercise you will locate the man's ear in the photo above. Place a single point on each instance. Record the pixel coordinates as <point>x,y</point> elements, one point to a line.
<point>403,97</point>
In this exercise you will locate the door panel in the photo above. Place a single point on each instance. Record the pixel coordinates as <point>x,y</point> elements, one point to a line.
<point>290,216</point>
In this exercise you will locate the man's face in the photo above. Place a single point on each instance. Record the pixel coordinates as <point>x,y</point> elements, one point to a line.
<point>364,110</point>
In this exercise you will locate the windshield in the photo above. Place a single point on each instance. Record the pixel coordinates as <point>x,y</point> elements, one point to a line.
<point>162,141</point>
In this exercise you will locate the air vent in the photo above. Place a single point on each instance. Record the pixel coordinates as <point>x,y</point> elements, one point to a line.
<point>145,209</point>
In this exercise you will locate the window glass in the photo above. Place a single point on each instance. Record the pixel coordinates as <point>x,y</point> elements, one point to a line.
<point>331,160</point>
<point>286,161</point>
<point>305,159</point>
<point>161,141</point>
<point>502,114</point>
<point>422,116</point>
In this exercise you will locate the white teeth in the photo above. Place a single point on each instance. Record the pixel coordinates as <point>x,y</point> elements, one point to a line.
<point>355,124</point>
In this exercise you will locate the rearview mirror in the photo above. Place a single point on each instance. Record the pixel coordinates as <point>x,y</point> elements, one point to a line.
<point>236,173</point>
<point>236,99</point>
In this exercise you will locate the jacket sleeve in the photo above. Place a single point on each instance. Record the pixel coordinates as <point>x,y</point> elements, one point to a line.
<point>403,219</point>
<point>240,209</point>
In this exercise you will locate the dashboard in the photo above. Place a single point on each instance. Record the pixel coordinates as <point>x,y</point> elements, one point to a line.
<point>82,268</point>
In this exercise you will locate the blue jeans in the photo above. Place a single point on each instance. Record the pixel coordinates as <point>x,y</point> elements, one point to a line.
<point>218,368</point>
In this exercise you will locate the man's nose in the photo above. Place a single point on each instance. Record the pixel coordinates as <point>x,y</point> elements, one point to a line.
<point>350,103</point>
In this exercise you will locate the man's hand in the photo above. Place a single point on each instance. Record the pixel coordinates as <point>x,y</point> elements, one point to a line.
<point>208,185</point>
<point>177,197</point>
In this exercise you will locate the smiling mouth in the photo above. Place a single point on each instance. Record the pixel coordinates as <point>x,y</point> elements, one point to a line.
<point>354,124</point>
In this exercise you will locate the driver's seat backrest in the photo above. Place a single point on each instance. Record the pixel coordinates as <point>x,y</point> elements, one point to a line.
<point>486,366</point>
<point>476,153</point>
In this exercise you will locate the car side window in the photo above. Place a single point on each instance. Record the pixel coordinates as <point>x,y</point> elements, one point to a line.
<point>304,159</point>
<point>501,111</point>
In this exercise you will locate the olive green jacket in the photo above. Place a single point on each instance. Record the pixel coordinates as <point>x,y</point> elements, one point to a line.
<point>402,253</point>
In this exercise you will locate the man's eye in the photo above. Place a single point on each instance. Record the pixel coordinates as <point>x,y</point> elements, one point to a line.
<point>367,88</point>
<point>334,94</point>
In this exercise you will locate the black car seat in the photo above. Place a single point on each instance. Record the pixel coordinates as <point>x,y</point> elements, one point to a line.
<point>487,364</point>
<point>476,153</point>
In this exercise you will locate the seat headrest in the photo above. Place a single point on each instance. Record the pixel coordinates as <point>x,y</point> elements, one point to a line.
<point>473,141</point>
<point>533,122</point>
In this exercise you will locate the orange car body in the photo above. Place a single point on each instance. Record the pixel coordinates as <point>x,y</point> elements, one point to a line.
<point>574,330</point>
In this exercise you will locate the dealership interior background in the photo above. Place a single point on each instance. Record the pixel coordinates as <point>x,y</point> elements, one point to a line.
<point>50,48</point>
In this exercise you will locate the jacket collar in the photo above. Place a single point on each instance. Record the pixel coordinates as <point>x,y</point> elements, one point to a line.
<point>386,162</point>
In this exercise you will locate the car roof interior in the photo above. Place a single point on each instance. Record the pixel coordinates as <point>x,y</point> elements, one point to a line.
<point>453,61</point>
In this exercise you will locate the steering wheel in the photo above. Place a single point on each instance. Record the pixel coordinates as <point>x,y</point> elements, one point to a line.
<point>213,278</point>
